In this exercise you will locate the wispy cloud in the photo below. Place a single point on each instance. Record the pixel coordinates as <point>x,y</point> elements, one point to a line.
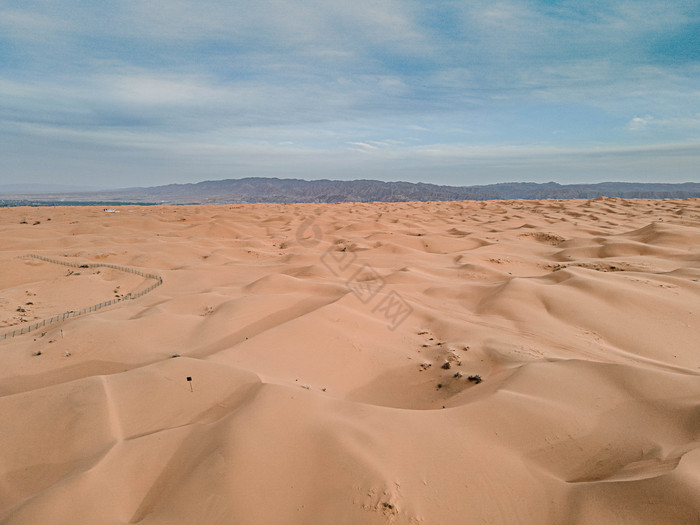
<point>270,87</point>
<point>363,146</point>
<point>638,123</point>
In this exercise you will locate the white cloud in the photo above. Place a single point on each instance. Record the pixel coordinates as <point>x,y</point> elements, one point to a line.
<point>363,146</point>
<point>147,88</point>
<point>638,123</point>
<point>686,123</point>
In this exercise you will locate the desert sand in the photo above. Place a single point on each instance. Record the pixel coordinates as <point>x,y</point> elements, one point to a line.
<point>503,362</point>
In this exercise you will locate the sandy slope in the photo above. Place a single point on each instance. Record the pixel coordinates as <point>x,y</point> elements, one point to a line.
<point>330,347</point>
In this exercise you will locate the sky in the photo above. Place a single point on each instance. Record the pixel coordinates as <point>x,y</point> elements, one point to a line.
<point>142,93</point>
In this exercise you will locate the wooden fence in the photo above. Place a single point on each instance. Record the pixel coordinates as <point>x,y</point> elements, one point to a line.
<point>73,313</point>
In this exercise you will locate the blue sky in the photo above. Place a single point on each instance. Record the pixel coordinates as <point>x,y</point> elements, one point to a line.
<point>136,93</point>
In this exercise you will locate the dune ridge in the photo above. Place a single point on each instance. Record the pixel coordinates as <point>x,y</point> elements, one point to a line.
<point>529,362</point>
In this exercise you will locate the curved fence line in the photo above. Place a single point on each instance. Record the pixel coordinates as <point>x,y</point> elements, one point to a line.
<point>72,313</point>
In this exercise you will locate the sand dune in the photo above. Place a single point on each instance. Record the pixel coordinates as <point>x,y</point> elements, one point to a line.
<point>506,362</point>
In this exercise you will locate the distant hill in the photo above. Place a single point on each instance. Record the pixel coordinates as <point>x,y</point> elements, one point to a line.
<point>273,190</point>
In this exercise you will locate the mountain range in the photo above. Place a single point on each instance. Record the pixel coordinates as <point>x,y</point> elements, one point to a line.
<point>275,190</point>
